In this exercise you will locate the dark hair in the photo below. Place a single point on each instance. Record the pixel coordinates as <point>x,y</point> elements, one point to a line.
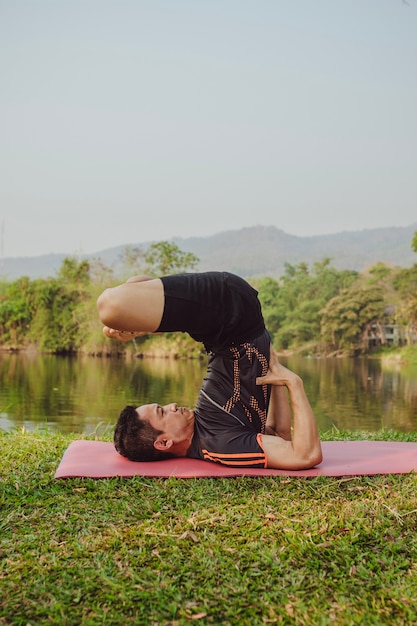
<point>134,438</point>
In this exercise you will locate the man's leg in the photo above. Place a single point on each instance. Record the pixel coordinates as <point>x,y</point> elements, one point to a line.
<point>136,307</point>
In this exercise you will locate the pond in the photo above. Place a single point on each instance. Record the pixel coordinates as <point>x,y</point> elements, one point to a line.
<point>85,394</point>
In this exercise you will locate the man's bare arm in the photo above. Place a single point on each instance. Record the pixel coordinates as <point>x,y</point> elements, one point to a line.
<point>303,450</point>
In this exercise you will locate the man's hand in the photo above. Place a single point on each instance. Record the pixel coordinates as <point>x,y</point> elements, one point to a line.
<point>277,374</point>
<point>122,336</point>
<point>303,449</point>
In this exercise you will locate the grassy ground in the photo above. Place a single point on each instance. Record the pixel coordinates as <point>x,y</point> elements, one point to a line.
<point>238,551</point>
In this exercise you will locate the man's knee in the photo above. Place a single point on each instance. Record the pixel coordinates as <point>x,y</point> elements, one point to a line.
<point>107,306</point>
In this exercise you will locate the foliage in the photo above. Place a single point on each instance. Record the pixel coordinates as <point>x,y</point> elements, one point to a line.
<point>165,257</point>
<point>379,273</point>
<point>177,345</point>
<point>269,293</point>
<point>346,317</point>
<point>61,300</point>
<point>405,283</point>
<point>59,314</point>
<point>246,551</point>
<point>47,312</point>
<point>408,356</point>
<point>17,307</point>
<point>292,306</point>
<point>131,261</point>
<point>414,242</point>
<point>55,325</point>
<point>311,309</point>
<point>74,272</point>
<point>161,258</point>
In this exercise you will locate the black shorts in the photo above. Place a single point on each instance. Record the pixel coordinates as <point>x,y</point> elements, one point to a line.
<point>217,308</point>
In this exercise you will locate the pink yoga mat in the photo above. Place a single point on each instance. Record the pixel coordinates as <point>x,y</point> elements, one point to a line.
<point>99,459</point>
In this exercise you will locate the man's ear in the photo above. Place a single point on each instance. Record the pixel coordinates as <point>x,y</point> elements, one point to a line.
<point>163,445</point>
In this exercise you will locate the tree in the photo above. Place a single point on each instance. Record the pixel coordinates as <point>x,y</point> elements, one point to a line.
<point>16,311</point>
<point>405,283</point>
<point>131,260</point>
<point>268,293</point>
<point>292,306</point>
<point>59,320</point>
<point>165,257</point>
<point>414,242</point>
<point>347,318</point>
<point>74,272</point>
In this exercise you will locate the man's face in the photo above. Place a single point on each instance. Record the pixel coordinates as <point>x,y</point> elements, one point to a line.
<point>173,421</point>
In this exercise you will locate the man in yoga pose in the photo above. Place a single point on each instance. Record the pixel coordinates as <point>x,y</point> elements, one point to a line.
<point>247,400</point>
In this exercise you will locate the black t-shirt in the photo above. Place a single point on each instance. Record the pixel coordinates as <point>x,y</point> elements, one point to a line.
<point>223,312</point>
<point>231,411</point>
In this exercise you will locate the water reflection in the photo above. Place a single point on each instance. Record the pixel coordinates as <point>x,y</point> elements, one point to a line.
<point>359,394</point>
<point>83,394</point>
<point>76,394</point>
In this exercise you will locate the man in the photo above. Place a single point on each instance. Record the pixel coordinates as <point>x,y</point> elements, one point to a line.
<point>243,416</point>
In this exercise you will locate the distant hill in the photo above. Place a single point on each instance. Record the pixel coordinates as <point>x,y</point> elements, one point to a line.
<point>255,251</point>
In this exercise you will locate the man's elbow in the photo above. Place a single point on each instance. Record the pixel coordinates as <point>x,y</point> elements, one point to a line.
<point>290,458</point>
<point>312,459</point>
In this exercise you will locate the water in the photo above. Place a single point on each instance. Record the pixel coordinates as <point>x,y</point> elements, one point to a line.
<point>85,394</point>
<point>360,394</point>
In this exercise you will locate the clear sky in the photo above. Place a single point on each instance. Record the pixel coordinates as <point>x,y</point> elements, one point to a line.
<point>125,121</point>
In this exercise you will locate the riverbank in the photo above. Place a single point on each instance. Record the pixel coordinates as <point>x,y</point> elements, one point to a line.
<point>404,355</point>
<point>181,346</point>
<point>242,551</point>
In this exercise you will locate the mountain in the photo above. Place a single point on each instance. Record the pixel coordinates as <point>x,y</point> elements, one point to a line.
<point>264,250</point>
<point>255,251</point>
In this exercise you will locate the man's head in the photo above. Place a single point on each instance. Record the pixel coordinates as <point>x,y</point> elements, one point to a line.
<point>152,432</point>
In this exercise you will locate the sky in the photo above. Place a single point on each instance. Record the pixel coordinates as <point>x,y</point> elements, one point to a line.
<point>129,121</point>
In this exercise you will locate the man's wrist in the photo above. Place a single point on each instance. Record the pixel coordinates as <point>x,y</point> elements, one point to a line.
<point>295,383</point>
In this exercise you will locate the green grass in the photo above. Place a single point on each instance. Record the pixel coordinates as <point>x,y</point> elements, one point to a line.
<point>406,355</point>
<point>213,551</point>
